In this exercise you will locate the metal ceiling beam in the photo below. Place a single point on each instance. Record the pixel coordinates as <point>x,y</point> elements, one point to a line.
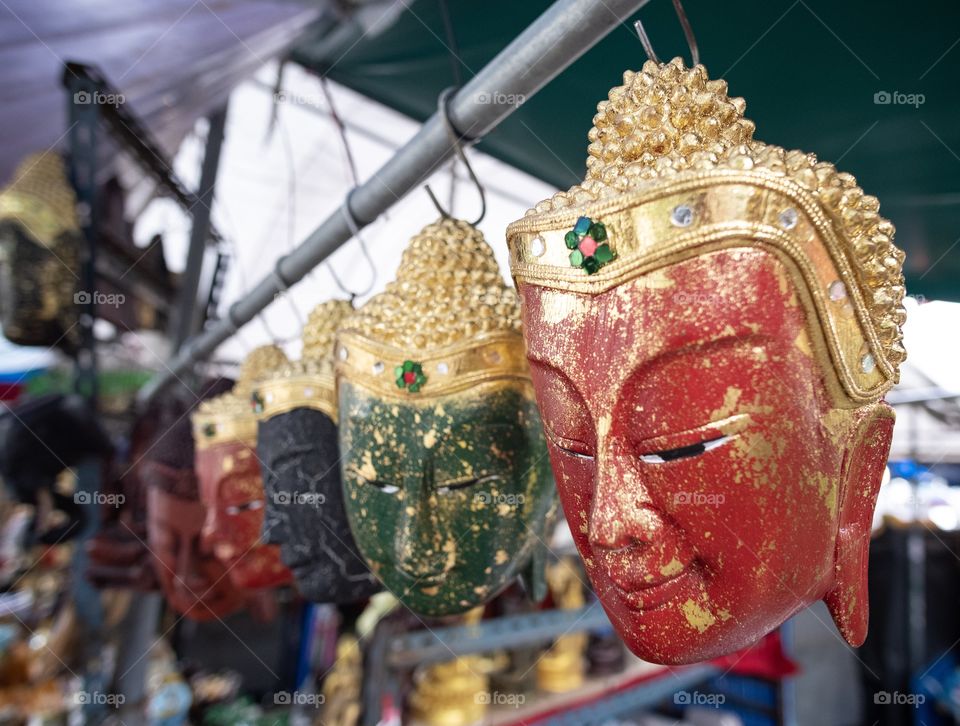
<point>549,45</point>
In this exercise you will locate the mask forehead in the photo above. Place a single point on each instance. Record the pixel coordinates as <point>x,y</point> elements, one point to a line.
<point>183,517</point>
<point>229,474</point>
<point>460,434</point>
<point>600,342</point>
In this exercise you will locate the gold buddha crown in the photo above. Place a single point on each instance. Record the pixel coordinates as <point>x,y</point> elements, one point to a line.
<point>41,199</point>
<point>308,382</point>
<point>447,322</point>
<point>230,416</point>
<point>673,171</point>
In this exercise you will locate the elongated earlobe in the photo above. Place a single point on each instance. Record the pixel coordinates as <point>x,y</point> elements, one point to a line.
<point>863,468</point>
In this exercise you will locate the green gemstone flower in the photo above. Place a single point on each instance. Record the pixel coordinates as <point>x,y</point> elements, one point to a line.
<point>410,375</point>
<point>256,402</point>
<point>588,242</point>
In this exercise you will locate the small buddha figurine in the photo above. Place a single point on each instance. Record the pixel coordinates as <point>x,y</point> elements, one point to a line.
<point>231,486</point>
<point>299,452</point>
<point>447,484</point>
<point>342,686</point>
<point>561,669</point>
<point>452,693</point>
<point>712,323</point>
<point>40,241</point>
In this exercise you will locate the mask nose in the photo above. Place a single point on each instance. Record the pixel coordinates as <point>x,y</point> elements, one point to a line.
<point>189,579</point>
<point>212,539</point>
<point>623,514</point>
<point>274,512</point>
<point>272,530</point>
<point>417,542</point>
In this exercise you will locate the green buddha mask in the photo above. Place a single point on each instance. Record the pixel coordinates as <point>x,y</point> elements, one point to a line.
<point>447,484</point>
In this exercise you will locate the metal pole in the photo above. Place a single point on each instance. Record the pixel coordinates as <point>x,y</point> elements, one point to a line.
<point>188,315</point>
<point>135,634</point>
<point>554,41</point>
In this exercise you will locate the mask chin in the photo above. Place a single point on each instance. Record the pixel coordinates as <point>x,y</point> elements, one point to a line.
<point>864,461</point>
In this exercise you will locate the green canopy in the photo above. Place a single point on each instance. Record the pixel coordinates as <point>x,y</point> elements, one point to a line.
<point>815,75</point>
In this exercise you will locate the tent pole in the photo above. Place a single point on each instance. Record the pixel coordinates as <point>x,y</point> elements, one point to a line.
<point>549,45</point>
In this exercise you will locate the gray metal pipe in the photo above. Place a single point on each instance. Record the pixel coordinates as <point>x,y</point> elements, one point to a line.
<point>551,43</point>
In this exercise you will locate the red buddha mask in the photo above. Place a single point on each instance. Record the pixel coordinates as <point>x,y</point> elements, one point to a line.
<point>194,582</point>
<point>231,484</point>
<point>711,324</point>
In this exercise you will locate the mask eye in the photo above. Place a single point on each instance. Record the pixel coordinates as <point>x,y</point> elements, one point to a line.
<point>684,452</point>
<point>464,483</point>
<point>250,506</point>
<point>571,447</point>
<point>575,454</point>
<point>384,486</point>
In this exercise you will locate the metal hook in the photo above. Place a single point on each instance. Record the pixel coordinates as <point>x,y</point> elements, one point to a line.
<point>351,219</point>
<point>456,139</point>
<point>687,33</point>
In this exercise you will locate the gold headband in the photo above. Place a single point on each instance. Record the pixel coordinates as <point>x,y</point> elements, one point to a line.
<point>230,416</point>
<point>447,323</point>
<point>673,173</point>
<point>309,382</point>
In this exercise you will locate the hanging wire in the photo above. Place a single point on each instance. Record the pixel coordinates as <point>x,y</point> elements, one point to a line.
<point>453,53</point>
<point>687,33</point>
<point>346,208</point>
<point>291,219</point>
<point>244,285</point>
<point>453,47</point>
<point>456,140</point>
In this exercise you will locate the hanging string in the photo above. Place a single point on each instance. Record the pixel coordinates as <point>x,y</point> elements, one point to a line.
<point>687,33</point>
<point>244,285</point>
<point>291,218</point>
<point>456,140</point>
<point>346,208</point>
<point>453,54</point>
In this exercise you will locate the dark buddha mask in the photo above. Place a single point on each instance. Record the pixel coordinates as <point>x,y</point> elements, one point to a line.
<point>445,472</point>
<point>231,485</point>
<point>39,254</point>
<point>711,323</point>
<point>297,445</point>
